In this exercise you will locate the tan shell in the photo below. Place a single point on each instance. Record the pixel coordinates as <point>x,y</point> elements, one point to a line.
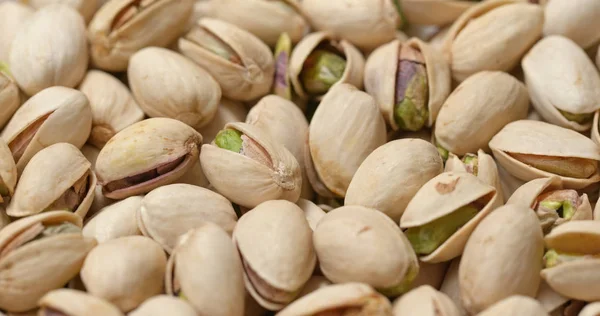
<point>8,169</point>
<point>276,246</point>
<point>478,109</point>
<point>9,95</point>
<point>227,112</point>
<point>156,25</point>
<point>314,283</point>
<point>195,176</point>
<point>595,135</point>
<point>99,201</point>
<point>381,76</point>
<point>508,242</point>
<point>487,170</point>
<point>161,305</point>
<point>515,305</point>
<point>575,21</point>
<point>86,8</point>
<point>508,182</point>
<point>4,219</point>
<point>56,259</point>
<point>549,299</point>
<point>76,303</point>
<point>434,12</point>
<point>65,58</point>
<point>244,82</point>
<point>431,274</point>
<point>312,212</point>
<point>114,221</point>
<point>12,16</point>
<point>425,301</point>
<point>401,167</point>
<point>540,138</point>
<point>591,309</point>
<point>451,287</point>
<point>125,271</point>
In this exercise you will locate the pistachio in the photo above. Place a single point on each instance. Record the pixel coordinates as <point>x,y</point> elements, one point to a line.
<point>86,8</point>
<point>425,301</point>
<point>312,212</point>
<point>451,287</point>
<point>482,165</point>
<point>12,16</point>
<point>517,304</point>
<point>162,304</point>
<point>412,91</point>
<point>591,309</point>
<point>9,96</point>
<point>321,70</point>
<point>114,221</point>
<point>8,172</point>
<point>281,83</point>
<point>69,302</point>
<point>227,112</point>
<point>572,21</point>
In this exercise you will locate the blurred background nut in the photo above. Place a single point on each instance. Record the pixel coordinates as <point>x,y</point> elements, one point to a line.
<point>8,172</point>
<point>86,8</point>
<point>12,17</point>
<point>425,301</point>
<point>575,21</point>
<point>9,96</point>
<point>515,305</point>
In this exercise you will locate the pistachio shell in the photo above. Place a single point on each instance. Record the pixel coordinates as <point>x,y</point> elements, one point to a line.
<point>86,8</point>
<point>577,280</point>
<point>12,16</point>
<point>431,274</point>
<point>75,303</point>
<point>576,22</point>
<point>425,301</point>
<point>595,126</point>
<point>312,212</point>
<point>9,96</point>
<point>99,201</point>
<point>162,305</point>
<point>114,221</point>
<point>549,299</point>
<point>434,12</point>
<point>451,287</point>
<point>582,237</point>
<point>4,219</point>
<point>228,111</point>
<point>509,182</point>
<point>487,170</point>
<point>592,309</point>
<point>8,170</point>
<point>515,305</point>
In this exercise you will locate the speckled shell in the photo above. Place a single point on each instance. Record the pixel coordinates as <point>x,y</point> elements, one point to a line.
<point>515,305</point>
<point>425,301</point>
<point>575,21</point>
<point>77,303</point>
<point>161,305</point>
<point>9,96</point>
<point>114,221</point>
<point>487,170</point>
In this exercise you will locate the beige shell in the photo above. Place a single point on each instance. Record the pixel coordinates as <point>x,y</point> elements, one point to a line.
<point>167,84</point>
<point>515,305</point>
<point>478,39</point>
<point>560,76</point>
<point>228,111</point>
<point>9,96</point>
<point>113,106</point>
<point>425,301</point>
<point>355,62</point>
<point>56,259</point>
<point>443,195</point>
<point>125,271</point>
<point>99,201</point>
<point>346,118</point>
<point>312,212</point>
<point>431,274</point>
<point>276,246</point>
<point>434,12</point>
<point>50,175</point>
<point>591,309</point>
<point>478,109</point>
<point>392,174</point>
<point>540,138</point>
<point>12,17</point>
<point>114,221</point>
<point>161,305</point>
<point>195,176</point>
<point>381,72</point>
<point>4,219</point>
<point>250,79</point>
<point>8,169</point>
<point>549,299</point>
<point>57,60</point>
<point>55,115</point>
<point>508,182</point>
<point>121,27</point>
<point>451,287</point>
<point>229,172</point>
<point>595,134</point>
<point>575,21</point>
<point>75,303</point>
<point>206,267</point>
<point>503,257</point>
<point>86,8</point>
<point>487,170</point>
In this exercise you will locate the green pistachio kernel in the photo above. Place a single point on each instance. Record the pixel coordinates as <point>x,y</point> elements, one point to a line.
<point>564,209</point>
<point>281,84</point>
<point>471,163</point>
<point>412,90</point>
<point>229,139</point>
<point>443,152</point>
<point>4,69</point>
<point>578,118</point>
<point>552,258</point>
<point>322,69</point>
<point>405,285</point>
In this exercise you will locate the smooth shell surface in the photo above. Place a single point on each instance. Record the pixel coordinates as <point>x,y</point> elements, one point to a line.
<point>515,305</point>
<point>76,303</point>
<point>575,21</point>
<point>12,16</point>
<point>425,301</point>
<point>487,170</point>
<point>8,169</point>
<point>161,305</point>
<point>9,96</point>
<point>114,221</point>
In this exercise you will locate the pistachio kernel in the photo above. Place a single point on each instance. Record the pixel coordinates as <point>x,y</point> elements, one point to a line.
<point>321,70</point>
<point>442,151</point>
<point>4,69</point>
<point>212,43</point>
<point>562,202</point>
<point>578,118</point>
<point>281,84</point>
<point>412,91</point>
<point>471,163</point>
<point>553,258</point>
<point>229,139</point>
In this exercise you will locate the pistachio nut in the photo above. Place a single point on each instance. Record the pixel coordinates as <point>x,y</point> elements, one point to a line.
<point>122,27</point>
<point>508,182</point>
<point>206,271</point>
<point>404,166</point>
<point>346,118</point>
<point>9,95</point>
<point>563,82</point>
<point>444,212</point>
<point>167,84</point>
<point>38,254</point>
<point>282,85</point>
<point>86,8</point>
<point>240,62</point>
<point>438,39</point>
<point>431,274</point>
<point>592,309</point>
<point>576,22</point>
<point>228,111</point>
<point>451,287</point>
<point>515,305</point>
<point>12,17</point>
<point>67,302</point>
<point>55,115</point>
<point>314,283</point>
<point>160,305</point>
<point>241,152</point>
<point>531,149</point>
<point>65,58</point>
<point>113,106</point>
<point>380,253</point>
<point>478,109</point>
<point>502,258</point>
<point>409,81</point>
<point>158,152</point>
<point>482,165</point>
<point>478,40</point>
<point>435,12</point>
<point>8,172</point>
<point>125,271</point>
<point>312,212</point>
<point>425,301</point>
<point>114,221</point>
<point>275,244</point>
<point>552,302</point>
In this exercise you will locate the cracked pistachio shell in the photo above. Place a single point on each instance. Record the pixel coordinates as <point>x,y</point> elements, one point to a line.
<point>29,269</point>
<point>478,39</point>
<point>54,115</point>
<point>478,109</point>
<point>122,27</point>
<point>451,287</point>
<point>404,166</point>
<point>58,177</point>
<point>591,309</point>
<point>573,20</point>
<point>8,171</point>
<point>125,271</point>
<point>537,138</point>
<point>43,38</point>
<point>515,305</point>
<point>12,17</point>
<point>381,71</point>
<point>167,84</point>
<point>347,297</point>
<point>503,257</point>
<point>9,97</point>
<point>353,71</point>
<point>86,8</point>
<point>561,77</point>
<point>277,177</point>
<point>346,118</point>
<point>146,155</point>
<point>247,72</point>
<point>69,302</point>
<point>275,243</point>
<point>434,12</point>
<point>425,301</point>
<point>160,305</point>
<point>114,221</point>
<point>312,212</point>
<point>487,170</point>
<point>206,270</point>
<point>228,111</point>
<point>113,106</point>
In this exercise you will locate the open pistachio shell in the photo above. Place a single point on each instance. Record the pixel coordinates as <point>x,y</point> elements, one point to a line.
<point>69,302</point>
<point>531,149</point>
<point>160,305</point>
<point>425,301</point>
<point>8,172</point>
<point>576,22</point>
<point>482,165</point>
<point>30,267</point>
<point>312,212</point>
<point>114,221</point>
<point>9,97</point>
<point>515,305</point>
<point>451,287</point>
<point>228,111</point>
<point>12,16</point>
<point>592,309</point>
<point>434,12</point>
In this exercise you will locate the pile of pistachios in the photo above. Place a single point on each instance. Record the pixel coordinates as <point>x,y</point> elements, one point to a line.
<point>299,157</point>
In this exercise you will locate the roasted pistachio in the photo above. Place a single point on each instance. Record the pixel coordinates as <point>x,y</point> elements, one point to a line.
<point>515,305</point>
<point>66,302</point>
<point>425,301</point>
<point>564,18</point>
<point>162,304</point>
<point>114,221</point>
<point>482,165</point>
<point>12,16</point>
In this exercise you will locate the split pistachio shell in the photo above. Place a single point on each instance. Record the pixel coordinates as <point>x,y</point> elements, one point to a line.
<point>164,305</point>
<point>228,111</point>
<point>515,305</point>
<point>114,221</point>
<point>240,62</point>
<point>206,271</point>
<point>451,287</point>
<point>274,171</point>
<point>404,166</point>
<point>592,309</point>
<point>434,12</point>
<point>482,165</point>
<point>65,57</point>
<point>9,97</point>
<point>312,212</point>
<point>8,172</point>
<point>425,301</point>
<point>55,115</point>
<point>478,109</point>
<point>125,271</point>
<point>158,151</point>
<point>563,83</point>
<point>576,22</point>
<point>494,23</point>
<point>276,246</point>
<point>86,8</point>
<point>113,107</point>
<point>29,267</point>
<point>531,149</point>
<point>346,118</point>
<point>12,16</point>
<point>122,27</point>
<point>167,84</point>
<point>503,257</point>
<point>75,303</point>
